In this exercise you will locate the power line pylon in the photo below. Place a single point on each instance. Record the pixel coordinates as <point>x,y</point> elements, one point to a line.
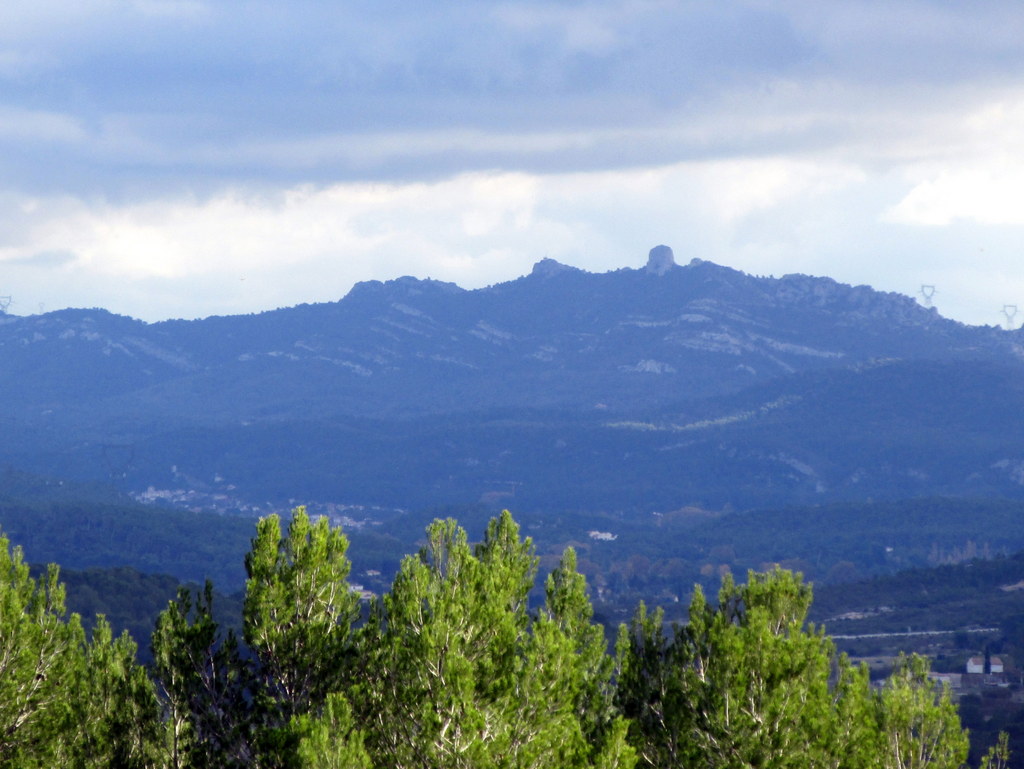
<point>1010,311</point>
<point>927,292</point>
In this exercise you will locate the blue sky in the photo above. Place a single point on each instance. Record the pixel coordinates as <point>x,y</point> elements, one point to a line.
<point>183,158</point>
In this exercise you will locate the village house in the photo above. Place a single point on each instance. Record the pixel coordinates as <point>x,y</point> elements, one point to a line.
<point>976,665</point>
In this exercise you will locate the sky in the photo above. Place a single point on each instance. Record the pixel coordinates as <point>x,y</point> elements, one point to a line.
<point>186,158</point>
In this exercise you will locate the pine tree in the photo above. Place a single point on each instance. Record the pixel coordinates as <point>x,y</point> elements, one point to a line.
<point>442,651</point>
<point>651,691</point>
<point>229,709</point>
<point>919,728</point>
<point>332,740</point>
<point>39,651</point>
<point>65,701</point>
<point>115,707</point>
<point>205,687</point>
<point>757,679</point>
<point>568,674</point>
<point>298,616</point>
<point>746,684</point>
<point>461,676</point>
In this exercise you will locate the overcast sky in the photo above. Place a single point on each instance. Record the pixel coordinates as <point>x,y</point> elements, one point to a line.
<point>185,158</point>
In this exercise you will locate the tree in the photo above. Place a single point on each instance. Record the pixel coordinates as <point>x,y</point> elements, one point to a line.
<point>229,709</point>
<point>38,650</point>
<point>459,675</point>
<point>568,674</point>
<point>442,650</point>
<point>742,684</point>
<point>919,727</point>
<point>298,616</point>
<point>65,701</point>
<point>331,741</point>
<point>204,685</point>
<point>998,756</point>
<point>758,677</point>
<point>299,611</point>
<point>115,707</point>
<point>650,689</point>
<point>453,671</point>
<point>746,684</point>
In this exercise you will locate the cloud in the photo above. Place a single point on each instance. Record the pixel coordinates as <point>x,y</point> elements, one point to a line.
<point>20,125</point>
<point>45,260</point>
<point>314,92</point>
<point>240,251</point>
<point>196,158</point>
<point>735,189</point>
<point>245,250</point>
<point>989,195</point>
<point>975,171</point>
<point>152,98</point>
<point>912,42</point>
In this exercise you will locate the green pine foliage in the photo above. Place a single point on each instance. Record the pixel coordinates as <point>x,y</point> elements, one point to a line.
<point>66,700</point>
<point>745,683</point>
<point>917,729</point>
<point>451,669</point>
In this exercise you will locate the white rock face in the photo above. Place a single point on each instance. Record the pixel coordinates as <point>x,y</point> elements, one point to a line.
<point>660,260</point>
<point>650,367</point>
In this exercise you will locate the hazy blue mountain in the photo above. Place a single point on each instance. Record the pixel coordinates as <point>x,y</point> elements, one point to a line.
<point>639,388</point>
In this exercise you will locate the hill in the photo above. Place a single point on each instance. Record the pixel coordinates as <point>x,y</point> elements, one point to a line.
<point>639,389</point>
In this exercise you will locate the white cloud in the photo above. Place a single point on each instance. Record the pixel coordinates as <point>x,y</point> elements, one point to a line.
<point>312,243</point>
<point>244,251</point>
<point>734,189</point>
<point>975,171</point>
<point>155,153</point>
<point>586,29</point>
<point>302,244</point>
<point>986,195</point>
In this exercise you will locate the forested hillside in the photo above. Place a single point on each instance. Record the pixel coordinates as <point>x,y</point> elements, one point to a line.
<point>626,557</point>
<point>633,390</point>
<point>85,526</point>
<point>982,592</point>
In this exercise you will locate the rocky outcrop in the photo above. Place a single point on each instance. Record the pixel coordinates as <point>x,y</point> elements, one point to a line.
<point>660,260</point>
<point>547,267</point>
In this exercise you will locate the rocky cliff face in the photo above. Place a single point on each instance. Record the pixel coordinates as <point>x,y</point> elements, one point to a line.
<point>660,260</point>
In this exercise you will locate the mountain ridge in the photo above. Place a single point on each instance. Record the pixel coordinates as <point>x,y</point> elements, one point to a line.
<point>613,324</point>
<point>404,377</point>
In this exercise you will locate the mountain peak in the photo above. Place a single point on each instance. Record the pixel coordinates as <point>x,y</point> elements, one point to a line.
<point>404,286</point>
<point>548,267</point>
<point>660,260</point>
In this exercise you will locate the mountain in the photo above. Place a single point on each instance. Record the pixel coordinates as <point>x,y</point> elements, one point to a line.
<point>641,388</point>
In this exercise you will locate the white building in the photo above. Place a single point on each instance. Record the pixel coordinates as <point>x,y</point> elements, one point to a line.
<point>977,665</point>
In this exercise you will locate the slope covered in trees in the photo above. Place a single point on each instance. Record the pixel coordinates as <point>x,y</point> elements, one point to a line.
<point>451,668</point>
<point>83,526</point>
<point>633,390</point>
